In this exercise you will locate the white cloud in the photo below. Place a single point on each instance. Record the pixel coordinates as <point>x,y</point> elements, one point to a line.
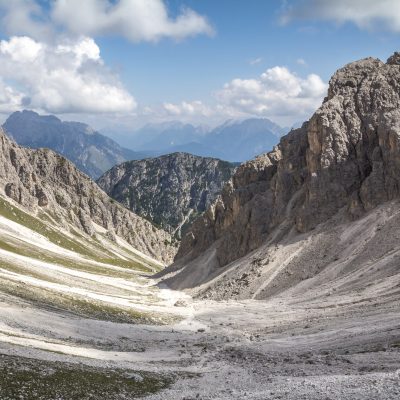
<point>85,48</point>
<point>60,78</point>
<point>10,99</point>
<point>255,61</point>
<point>301,61</point>
<point>50,62</point>
<point>277,93</point>
<point>21,49</point>
<point>136,20</point>
<point>24,17</point>
<point>366,14</point>
<point>185,108</point>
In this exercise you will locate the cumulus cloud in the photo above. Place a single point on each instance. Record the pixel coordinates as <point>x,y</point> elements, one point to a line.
<point>61,78</point>
<point>366,14</point>
<point>10,98</point>
<point>50,62</point>
<point>137,20</point>
<point>277,93</point>
<point>24,17</point>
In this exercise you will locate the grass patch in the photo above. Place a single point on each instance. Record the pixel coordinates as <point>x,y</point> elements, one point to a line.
<point>18,269</point>
<point>49,257</point>
<point>26,379</point>
<point>17,215</point>
<point>90,249</point>
<point>81,306</point>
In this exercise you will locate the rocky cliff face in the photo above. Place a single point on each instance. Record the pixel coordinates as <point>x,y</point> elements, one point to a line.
<point>43,181</point>
<point>169,190</point>
<point>347,157</point>
<point>90,151</point>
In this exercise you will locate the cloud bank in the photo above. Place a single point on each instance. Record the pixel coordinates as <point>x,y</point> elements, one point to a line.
<point>278,94</point>
<point>366,14</point>
<point>51,63</point>
<point>135,20</point>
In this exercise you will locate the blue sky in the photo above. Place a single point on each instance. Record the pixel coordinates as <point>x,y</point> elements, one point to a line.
<point>127,62</point>
<point>245,31</point>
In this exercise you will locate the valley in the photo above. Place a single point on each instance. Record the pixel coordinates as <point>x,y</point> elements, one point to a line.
<point>101,318</point>
<point>277,278</point>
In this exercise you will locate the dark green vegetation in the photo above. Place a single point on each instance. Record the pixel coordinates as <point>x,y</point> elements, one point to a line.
<point>25,379</point>
<point>170,191</point>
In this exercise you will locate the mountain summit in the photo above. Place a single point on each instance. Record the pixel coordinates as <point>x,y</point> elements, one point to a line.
<point>234,140</point>
<point>169,190</point>
<point>283,216</point>
<point>90,151</point>
<point>54,194</point>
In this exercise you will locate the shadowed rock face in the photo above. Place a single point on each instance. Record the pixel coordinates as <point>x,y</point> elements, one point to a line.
<point>169,190</point>
<point>346,156</point>
<point>42,180</point>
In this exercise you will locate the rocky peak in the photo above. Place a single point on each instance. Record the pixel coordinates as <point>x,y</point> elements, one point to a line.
<point>42,181</point>
<point>169,190</point>
<point>394,59</point>
<point>90,151</point>
<point>345,157</point>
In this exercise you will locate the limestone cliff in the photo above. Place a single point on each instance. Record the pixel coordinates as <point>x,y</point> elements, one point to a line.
<point>346,157</point>
<point>42,180</point>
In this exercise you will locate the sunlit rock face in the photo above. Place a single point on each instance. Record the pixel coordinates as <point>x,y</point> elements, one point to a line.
<point>345,156</point>
<point>42,180</point>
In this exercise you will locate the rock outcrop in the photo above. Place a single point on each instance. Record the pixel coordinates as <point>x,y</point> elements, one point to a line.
<point>90,151</point>
<point>346,157</point>
<point>169,190</point>
<point>42,180</point>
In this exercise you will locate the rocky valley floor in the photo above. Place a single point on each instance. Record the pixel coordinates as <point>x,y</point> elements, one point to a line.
<point>75,326</point>
<point>247,349</point>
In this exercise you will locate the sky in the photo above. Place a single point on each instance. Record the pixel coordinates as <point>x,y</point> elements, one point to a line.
<point>118,64</point>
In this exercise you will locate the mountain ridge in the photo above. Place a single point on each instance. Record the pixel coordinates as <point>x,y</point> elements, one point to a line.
<point>92,152</point>
<point>344,158</point>
<point>247,138</point>
<point>170,190</point>
<point>42,181</point>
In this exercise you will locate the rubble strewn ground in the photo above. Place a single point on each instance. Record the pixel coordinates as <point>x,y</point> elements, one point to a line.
<point>334,335</point>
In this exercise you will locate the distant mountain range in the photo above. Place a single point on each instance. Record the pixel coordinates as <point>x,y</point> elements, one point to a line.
<point>95,153</point>
<point>92,152</point>
<point>161,136</point>
<point>235,140</point>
